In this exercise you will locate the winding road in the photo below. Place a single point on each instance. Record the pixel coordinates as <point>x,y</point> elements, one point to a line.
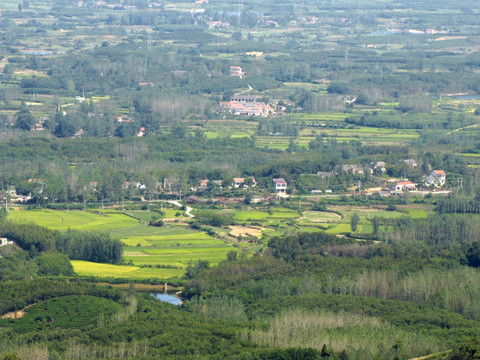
<point>187,212</point>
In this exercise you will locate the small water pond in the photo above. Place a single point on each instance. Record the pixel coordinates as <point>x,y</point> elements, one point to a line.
<point>166,297</point>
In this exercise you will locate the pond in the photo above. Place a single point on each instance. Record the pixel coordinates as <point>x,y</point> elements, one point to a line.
<point>166,297</point>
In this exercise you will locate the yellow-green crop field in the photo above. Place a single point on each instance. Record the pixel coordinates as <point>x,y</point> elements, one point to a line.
<point>86,268</point>
<point>78,220</point>
<point>174,246</point>
<point>144,245</point>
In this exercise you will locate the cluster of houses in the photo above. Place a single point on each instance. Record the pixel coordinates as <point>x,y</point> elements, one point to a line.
<point>279,184</point>
<point>250,105</point>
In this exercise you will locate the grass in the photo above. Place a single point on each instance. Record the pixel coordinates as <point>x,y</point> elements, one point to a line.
<point>319,217</point>
<point>178,260</point>
<point>159,246</point>
<point>74,311</point>
<point>174,239</point>
<point>86,268</point>
<point>78,220</point>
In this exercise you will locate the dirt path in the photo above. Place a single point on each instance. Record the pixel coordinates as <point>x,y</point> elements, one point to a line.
<point>187,212</point>
<point>20,313</point>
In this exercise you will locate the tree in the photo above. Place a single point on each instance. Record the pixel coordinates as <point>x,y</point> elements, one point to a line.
<point>55,264</point>
<point>179,130</point>
<point>237,36</point>
<point>376,225</point>
<point>231,255</point>
<point>354,222</point>
<point>473,254</point>
<point>193,269</point>
<point>65,126</point>
<point>25,120</point>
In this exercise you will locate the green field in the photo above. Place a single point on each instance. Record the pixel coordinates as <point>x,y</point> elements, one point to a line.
<point>78,220</point>
<point>86,268</point>
<point>276,213</point>
<point>74,311</point>
<point>177,245</point>
<point>145,245</point>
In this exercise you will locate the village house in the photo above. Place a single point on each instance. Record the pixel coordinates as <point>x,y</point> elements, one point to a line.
<point>405,185</point>
<point>352,169</point>
<point>280,185</point>
<point>204,183</point>
<point>237,182</point>
<point>246,108</point>
<point>384,193</point>
<point>218,24</point>
<point>244,98</point>
<point>237,71</point>
<point>378,165</point>
<point>436,178</point>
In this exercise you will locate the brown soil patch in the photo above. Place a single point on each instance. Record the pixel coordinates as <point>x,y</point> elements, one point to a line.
<point>20,313</point>
<point>245,231</point>
<point>450,38</point>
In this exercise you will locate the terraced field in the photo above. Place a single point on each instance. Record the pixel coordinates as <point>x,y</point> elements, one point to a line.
<point>166,251</point>
<point>144,245</point>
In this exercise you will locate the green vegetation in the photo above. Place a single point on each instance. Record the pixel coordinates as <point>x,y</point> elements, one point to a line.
<point>65,312</point>
<point>138,144</point>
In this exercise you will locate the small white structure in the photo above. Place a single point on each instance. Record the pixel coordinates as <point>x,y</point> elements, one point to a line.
<point>280,186</point>
<point>4,241</point>
<point>405,185</point>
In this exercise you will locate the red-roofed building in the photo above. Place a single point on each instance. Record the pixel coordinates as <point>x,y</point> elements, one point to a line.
<point>236,71</point>
<point>405,185</point>
<point>436,178</point>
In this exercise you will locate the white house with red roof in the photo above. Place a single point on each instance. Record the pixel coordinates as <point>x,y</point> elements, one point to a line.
<point>405,185</point>
<point>436,178</point>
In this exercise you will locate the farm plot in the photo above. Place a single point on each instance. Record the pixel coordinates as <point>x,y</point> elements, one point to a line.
<point>145,245</point>
<point>78,220</point>
<point>370,135</point>
<point>313,217</point>
<point>272,142</point>
<point>275,213</point>
<point>86,268</point>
